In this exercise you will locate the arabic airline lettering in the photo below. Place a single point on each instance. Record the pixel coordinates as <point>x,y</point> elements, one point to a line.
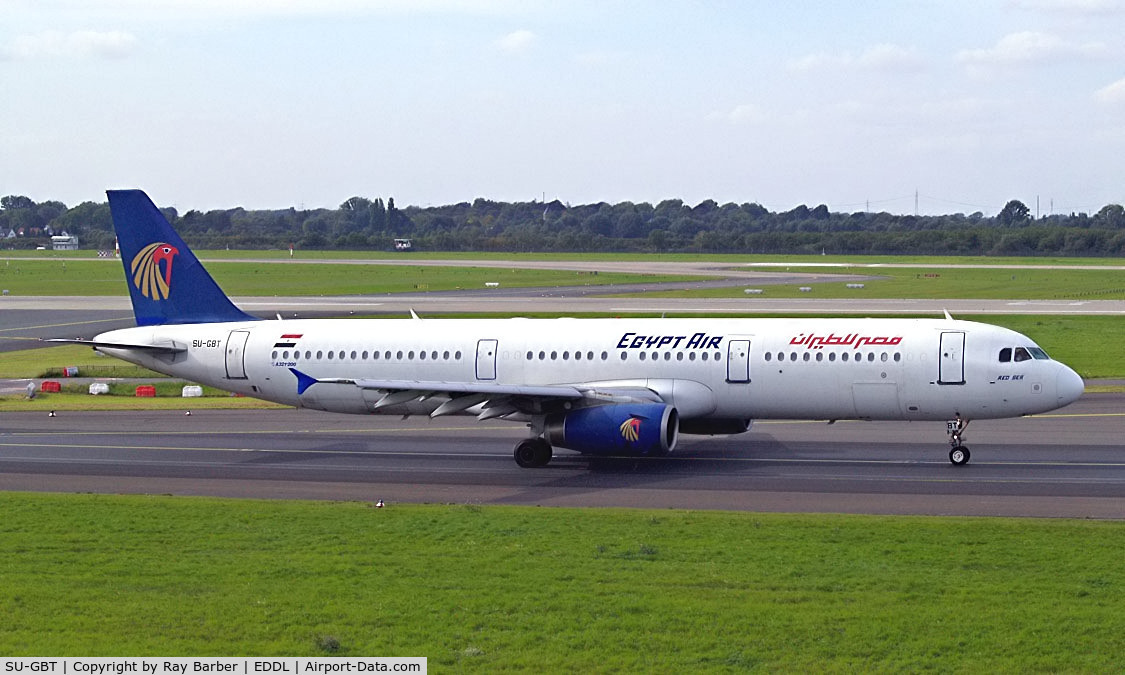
<point>596,386</point>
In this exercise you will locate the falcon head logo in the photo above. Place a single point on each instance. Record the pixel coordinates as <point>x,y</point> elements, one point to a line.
<point>631,429</point>
<point>147,275</point>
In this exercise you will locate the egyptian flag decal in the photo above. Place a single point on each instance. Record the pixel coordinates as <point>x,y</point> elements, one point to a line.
<point>288,340</point>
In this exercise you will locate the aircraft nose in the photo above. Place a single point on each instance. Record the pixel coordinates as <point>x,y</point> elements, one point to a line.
<point>1069,386</point>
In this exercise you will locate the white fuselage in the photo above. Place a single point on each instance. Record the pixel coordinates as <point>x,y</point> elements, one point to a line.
<point>889,369</point>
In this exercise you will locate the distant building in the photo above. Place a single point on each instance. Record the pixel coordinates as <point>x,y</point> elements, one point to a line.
<point>64,242</point>
<point>404,244</point>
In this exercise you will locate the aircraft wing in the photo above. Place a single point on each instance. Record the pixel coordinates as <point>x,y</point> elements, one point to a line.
<point>496,399</point>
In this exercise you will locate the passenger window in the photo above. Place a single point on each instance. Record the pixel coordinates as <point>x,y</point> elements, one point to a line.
<point>1006,355</point>
<point>1021,355</point>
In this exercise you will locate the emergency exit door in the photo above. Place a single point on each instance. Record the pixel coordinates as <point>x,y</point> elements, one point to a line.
<point>951,359</point>
<point>738,361</point>
<point>486,359</point>
<point>236,354</point>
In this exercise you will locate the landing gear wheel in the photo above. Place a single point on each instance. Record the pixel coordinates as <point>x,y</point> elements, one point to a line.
<point>532,453</point>
<point>959,455</point>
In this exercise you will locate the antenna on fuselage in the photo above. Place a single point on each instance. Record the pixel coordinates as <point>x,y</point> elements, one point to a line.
<point>414,315</point>
<point>947,316</point>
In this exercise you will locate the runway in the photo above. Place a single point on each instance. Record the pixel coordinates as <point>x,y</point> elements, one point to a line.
<point>1067,464</point>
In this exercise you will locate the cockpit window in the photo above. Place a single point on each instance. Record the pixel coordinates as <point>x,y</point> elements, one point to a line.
<point>1039,354</point>
<point>1022,355</point>
<point>1005,355</point>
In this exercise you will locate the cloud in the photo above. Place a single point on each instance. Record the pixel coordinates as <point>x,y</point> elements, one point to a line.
<point>1029,48</point>
<point>746,113</point>
<point>76,44</point>
<point>1112,93</point>
<point>516,41</point>
<point>883,57</point>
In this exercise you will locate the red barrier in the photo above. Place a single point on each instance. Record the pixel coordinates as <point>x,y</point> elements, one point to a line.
<point>146,390</point>
<point>50,387</point>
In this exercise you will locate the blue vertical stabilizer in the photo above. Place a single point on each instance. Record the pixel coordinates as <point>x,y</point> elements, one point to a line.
<point>167,283</point>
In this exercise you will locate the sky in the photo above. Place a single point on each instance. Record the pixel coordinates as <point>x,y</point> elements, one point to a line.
<point>933,107</point>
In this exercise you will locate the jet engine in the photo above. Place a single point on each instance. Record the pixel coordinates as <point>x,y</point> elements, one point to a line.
<point>646,429</point>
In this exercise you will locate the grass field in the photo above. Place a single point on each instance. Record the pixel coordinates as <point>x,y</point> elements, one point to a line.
<point>502,589</point>
<point>106,277</point>
<point>468,256</point>
<point>1009,284</point>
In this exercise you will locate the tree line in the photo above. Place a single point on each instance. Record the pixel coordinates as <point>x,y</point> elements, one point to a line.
<point>670,226</point>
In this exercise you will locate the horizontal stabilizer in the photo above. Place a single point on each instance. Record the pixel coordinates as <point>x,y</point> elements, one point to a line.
<point>153,349</point>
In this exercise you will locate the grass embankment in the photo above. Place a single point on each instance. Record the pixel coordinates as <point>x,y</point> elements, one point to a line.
<point>48,362</point>
<point>503,589</point>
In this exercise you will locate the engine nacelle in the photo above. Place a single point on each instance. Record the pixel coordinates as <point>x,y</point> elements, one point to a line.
<point>647,429</point>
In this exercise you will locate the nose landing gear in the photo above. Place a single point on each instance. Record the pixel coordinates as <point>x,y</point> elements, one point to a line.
<point>958,454</point>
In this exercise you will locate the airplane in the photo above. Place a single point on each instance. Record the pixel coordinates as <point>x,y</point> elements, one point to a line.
<point>614,386</point>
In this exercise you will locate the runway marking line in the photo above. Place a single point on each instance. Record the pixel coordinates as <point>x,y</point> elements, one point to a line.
<point>60,325</point>
<point>673,458</point>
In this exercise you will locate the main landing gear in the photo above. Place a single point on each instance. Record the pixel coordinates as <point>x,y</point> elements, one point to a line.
<point>958,454</point>
<point>531,453</point>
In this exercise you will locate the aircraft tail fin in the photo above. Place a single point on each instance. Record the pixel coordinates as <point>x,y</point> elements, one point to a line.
<point>167,283</point>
